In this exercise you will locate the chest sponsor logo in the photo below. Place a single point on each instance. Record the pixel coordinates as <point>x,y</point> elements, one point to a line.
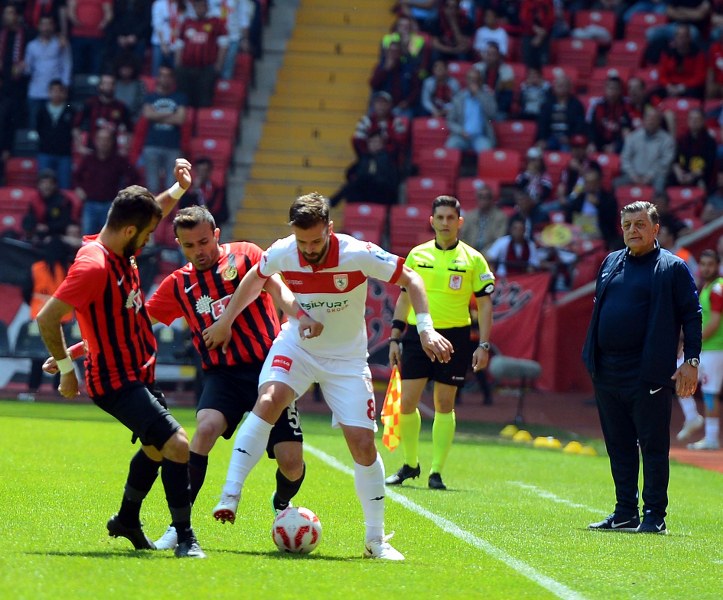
<point>206,305</point>
<point>282,363</point>
<point>341,282</point>
<point>455,282</point>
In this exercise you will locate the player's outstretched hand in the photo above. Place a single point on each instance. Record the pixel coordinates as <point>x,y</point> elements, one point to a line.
<point>436,346</point>
<point>182,172</point>
<point>68,387</point>
<point>217,335</point>
<point>309,328</point>
<point>395,354</point>
<point>50,366</point>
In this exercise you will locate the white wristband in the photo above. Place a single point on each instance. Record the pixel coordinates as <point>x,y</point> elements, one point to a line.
<point>65,365</point>
<point>424,322</point>
<point>176,191</point>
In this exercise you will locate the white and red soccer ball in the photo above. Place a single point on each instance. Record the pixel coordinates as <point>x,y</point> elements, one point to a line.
<point>296,530</point>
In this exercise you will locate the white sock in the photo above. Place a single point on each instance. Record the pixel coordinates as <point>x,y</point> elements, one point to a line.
<point>248,448</point>
<point>712,429</point>
<point>690,410</point>
<point>369,485</point>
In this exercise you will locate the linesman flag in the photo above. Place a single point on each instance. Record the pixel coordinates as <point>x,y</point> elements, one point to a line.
<point>391,410</point>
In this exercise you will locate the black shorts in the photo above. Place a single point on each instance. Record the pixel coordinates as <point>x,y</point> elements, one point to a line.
<point>143,411</point>
<point>233,391</point>
<point>417,365</point>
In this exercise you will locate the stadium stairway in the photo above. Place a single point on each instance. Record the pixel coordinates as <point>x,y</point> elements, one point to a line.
<point>297,134</point>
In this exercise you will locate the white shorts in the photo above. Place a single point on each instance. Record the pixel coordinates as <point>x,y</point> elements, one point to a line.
<point>346,384</point>
<point>711,371</point>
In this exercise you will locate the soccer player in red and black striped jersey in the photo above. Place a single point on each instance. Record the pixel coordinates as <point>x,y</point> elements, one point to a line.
<point>199,292</point>
<point>103,287</point>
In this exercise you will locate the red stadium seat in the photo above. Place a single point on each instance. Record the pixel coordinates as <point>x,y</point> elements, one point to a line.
<point>408,227</point>
<point>427,132</point>
<point>625,194</point>
<point>555,163</point>
<point>458,69</point>
<point>368,219</point>
<point>515,135</point>
<point>421,190</point>
<point>11,221</point>
<point>580,54</point>
<point>21,171</point>
<point>440,162</point>
<point>601,18</point>
<point>230,94</point>
<point>16,197</point>
<point>218,150</point>
<point>149,82</point>
<point>610,166</point>
<point>639,24</point>
<point>244,67</point>
<point>217,122</point>
<point>550,72</point>
<point>520,72</point>
<point>502,165</point>
<point>626,53</point>
<point>679,107</point>
<point>599,75</point>
<point>686,201</point>
<point>650,76</point>
<point>467,190</point>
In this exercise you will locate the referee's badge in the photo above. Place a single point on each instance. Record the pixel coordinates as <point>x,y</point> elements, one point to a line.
<point>455,282</point>
<point>341,282</point>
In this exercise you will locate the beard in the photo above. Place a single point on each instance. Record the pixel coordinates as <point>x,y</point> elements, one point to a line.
<point>131,246</point>
<point>315,259</point>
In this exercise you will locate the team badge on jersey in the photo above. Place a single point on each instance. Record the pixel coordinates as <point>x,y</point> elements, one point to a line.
<point>230,272</point>
<point>341,282</point>
<point>455,282</point>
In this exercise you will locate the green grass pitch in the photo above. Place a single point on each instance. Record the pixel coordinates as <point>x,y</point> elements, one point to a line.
<point>512,524</point>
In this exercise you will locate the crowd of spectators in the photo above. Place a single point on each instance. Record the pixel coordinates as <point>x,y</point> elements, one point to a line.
<point>641,117</point>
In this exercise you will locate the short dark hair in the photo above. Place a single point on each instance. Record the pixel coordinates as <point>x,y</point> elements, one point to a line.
<point>641,206</point>
<point>450,201</point>
<point>133,205</point>
<point>204,160</point>
<point>309,210</point>
<point>56,81</point>
<point>708,253</point>
<point>191,216</point>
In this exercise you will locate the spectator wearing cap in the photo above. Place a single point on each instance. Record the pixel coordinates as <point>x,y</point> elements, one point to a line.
<point>647,153</point>
<point>51,212</point>
<point>609,118</point>
<point>394,131</point>
<point>55,133</point>
<point>485,224</point>
<point>470,118</point>
<point>498,77</point>
<point>438,90</point>
<point>399,78</point>
<point>562,116</point>
<point>534,178</point>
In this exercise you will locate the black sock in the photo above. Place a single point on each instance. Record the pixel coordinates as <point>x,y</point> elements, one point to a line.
<point>176,485</point>
<point>197,465</point>
<point>142,472</point>
<point>285,489</point>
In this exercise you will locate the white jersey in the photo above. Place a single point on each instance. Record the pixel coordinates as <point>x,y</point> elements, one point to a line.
<point>333,293</point>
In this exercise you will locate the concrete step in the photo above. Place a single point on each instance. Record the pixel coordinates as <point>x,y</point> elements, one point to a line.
<point>370,35</point>
<point>304,131</point>
<point>302,175</point>
<point>286,144</point>
<point>346,16</point>
<point>338,89</point>
<point>354,105</point>
<point>294,159</point>
<point>310,75</point>
<point>362,65</point>
<point>316,45</point>
<point>318,118</point>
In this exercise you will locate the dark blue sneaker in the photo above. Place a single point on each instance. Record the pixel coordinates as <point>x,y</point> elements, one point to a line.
<point>652,524</point>
<point>615,522</point>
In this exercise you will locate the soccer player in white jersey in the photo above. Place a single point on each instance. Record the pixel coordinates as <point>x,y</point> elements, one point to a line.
<point>328,275</point>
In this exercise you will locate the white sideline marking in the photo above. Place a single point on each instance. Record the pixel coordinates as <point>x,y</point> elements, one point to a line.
<point>555,587</point>
<point>552,497</point>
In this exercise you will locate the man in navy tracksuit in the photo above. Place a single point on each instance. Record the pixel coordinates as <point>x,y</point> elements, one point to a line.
<point>644,295</point>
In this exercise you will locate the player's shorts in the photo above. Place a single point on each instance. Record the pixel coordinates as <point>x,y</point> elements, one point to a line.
<point>711,371</point>
<point>346,384</point>
<point>417,365</point>
<point>232,391</point>
<point>143,411</point>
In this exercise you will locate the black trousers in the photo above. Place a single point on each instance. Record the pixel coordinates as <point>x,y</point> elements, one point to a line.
<point>635,419</point>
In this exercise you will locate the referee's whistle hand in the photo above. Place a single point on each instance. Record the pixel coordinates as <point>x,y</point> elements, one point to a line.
<point>436,346</point>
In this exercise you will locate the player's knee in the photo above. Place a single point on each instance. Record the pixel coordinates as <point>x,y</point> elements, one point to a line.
<point>177,447</point>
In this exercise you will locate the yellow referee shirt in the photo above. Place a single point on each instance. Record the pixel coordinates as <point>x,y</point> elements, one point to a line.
<point>450,277</point>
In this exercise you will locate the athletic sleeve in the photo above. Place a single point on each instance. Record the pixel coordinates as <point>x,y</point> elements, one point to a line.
<point>483,283</point>
<point>85,282</point>
<point>163,305</point>
<point>270,262</point>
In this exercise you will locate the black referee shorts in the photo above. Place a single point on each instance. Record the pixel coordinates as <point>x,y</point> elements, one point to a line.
<point>233,391</point>
<point>417,365</point>
<point>143,411</point>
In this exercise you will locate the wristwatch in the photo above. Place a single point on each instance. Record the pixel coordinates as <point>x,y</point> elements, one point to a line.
<point>485,346</point>
<point>693,362</point>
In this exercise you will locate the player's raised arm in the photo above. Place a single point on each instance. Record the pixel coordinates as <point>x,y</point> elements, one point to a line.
<point>219,334</point>
<point>168,198</point>
<point>436,346</point>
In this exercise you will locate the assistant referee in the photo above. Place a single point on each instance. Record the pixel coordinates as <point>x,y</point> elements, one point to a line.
<point>452,272</point>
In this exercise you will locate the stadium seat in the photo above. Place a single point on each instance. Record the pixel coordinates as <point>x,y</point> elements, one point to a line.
<point>600,18</point>
<point>440,162</point>
<point>610,166</point>
<point>25,143</point>
<point>21,171</point>
<point>686,201</point>
<point>467,191</point>
<point>626,53</point>
<point>16,197</point>
<point>679,107</point>
<point>625,194</point>
<point>365,219</point>
<point>230,94</point>
<point>555,163</point>
<point>550,72</point>
<point>408,227</point>
<point>502,165</point>
<point>84,86</point>
<point>218,150</point>
<point>29,344</point>
<point>639,24</point>
<point>515,135</point>
<point>217,123</point>
<point>244,67</point>
<point>172,349</point>
<point>650,76</point>
<point>599,75</point>
<point>520,72</point>
<point>458,69</point>
<point>427,132</point>
<point>580,54</point>
<point>421,190</point>
<point>149,82</point>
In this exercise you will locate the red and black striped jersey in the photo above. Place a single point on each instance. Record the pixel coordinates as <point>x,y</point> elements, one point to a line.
<point>105,290</point>
<point>200,41</point>
<point>201,297</point>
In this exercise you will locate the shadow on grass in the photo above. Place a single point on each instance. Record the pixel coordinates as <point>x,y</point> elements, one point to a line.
<point>135,554</point>
<point>276,555</point>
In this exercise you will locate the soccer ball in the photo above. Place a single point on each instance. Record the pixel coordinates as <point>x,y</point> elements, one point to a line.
<point>297,530</point>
